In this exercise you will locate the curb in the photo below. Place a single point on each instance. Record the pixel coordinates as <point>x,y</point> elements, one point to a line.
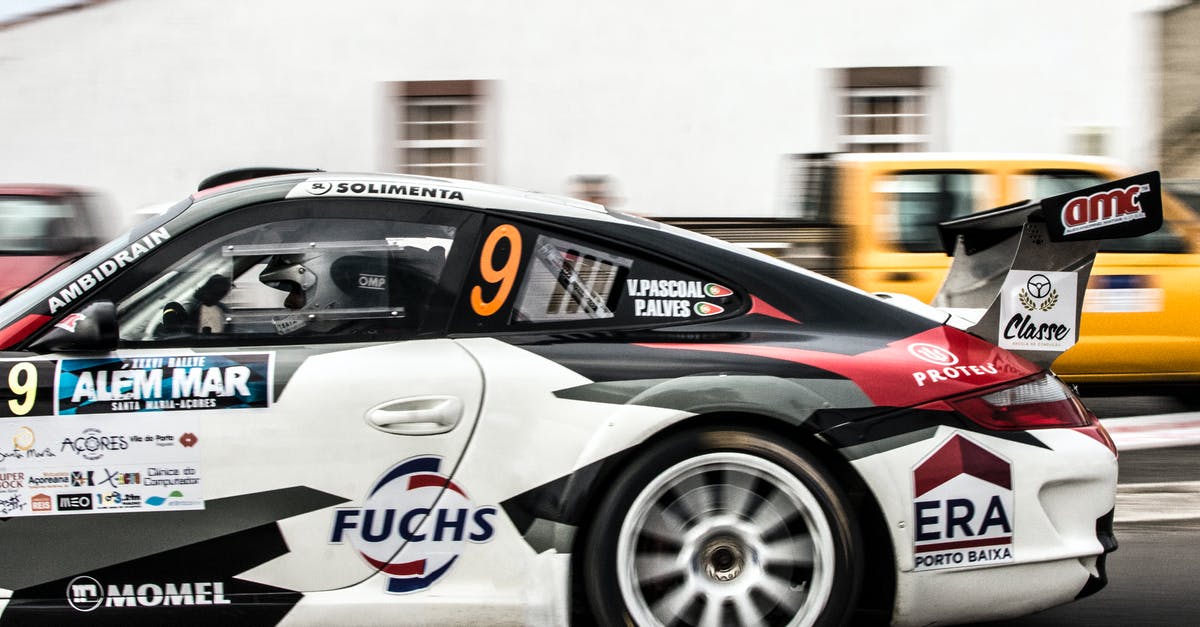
<point>1153,502</point>
<point>1159,431</point>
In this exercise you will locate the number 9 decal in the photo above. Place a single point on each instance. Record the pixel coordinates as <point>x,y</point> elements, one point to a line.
<point>23,381</point>
<point>503,276</point>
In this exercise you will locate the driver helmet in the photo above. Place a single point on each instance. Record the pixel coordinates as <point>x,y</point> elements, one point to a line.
<point>317,281</point>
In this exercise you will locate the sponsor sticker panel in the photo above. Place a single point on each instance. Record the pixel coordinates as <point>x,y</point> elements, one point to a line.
<point>73,465</point>
<point>963,507</point>
<point>167,383</point>
<point>1037,310</point>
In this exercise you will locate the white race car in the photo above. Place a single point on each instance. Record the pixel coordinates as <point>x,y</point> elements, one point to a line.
<point>316,398</point>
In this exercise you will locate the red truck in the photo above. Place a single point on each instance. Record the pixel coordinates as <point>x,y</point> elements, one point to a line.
<point>44,227</point>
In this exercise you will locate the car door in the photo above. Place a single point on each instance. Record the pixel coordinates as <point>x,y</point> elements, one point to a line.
<point>281,416</point>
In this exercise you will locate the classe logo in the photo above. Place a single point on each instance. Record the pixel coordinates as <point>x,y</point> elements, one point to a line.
<point>414,524</point>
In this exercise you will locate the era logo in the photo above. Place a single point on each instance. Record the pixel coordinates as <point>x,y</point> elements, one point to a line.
<point>962,506</point>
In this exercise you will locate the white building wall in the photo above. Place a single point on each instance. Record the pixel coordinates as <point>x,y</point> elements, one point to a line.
<point>687,104</point>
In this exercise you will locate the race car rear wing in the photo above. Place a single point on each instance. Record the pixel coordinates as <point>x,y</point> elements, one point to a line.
<point>1026,266</point>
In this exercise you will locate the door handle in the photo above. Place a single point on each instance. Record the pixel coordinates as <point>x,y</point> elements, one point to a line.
<point>423,415</point>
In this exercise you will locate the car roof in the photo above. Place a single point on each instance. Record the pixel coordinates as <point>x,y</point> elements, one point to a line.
<point>970,157</point>
<point>38,189</point>
<point>410,187</point>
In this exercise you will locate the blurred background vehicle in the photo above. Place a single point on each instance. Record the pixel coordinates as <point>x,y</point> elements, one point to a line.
<point>1187,191</point>
<point>42,227</point>
<point>871,220</point>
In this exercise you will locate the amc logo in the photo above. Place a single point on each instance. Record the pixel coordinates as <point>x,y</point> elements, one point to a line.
<point>962,506</point>
<point>1103,208</point>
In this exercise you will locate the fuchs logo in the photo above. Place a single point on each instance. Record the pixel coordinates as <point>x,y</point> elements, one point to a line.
<point>1038,288</point>
<point>413,524</point>
<point>962,507</point>
<point>713,290</point>
<point>708,309</point>
<point>68,323</point>
<point>1103,209</point>
<point>933,354</point>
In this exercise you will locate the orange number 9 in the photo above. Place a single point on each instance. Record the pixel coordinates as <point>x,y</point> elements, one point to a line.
<point>505,275</point>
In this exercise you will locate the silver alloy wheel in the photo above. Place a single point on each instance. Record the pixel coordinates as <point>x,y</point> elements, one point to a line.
<point>725,539</point>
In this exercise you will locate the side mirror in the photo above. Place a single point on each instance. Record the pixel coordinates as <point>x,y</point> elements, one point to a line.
<point>92,329</point>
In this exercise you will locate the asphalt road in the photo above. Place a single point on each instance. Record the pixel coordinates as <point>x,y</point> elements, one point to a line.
<point>1153,578</point>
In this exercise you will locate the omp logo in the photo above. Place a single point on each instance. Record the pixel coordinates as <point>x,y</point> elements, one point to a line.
<point>1102,209</point>
<point>372,281</point>
<point>933,354</point>
<point>413,524</point>
<point>962,507</point>
<point>85,594</point>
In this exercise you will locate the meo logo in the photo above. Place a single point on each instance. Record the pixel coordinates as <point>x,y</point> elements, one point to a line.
<point>413,524</point>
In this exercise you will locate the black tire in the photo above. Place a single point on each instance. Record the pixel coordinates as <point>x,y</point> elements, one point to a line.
<point>712,524</point>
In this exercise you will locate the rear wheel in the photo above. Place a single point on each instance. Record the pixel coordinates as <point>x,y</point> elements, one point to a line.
<point>723,527</point>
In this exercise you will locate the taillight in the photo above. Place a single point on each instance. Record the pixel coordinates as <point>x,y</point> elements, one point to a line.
<point>1038,403</point>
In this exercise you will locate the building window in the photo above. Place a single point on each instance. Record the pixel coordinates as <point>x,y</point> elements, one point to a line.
<point>884,109</point>
<point>440,129</point>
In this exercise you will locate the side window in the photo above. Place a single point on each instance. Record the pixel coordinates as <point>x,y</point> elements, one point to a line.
<point>303,277</point>
<point>526,279</point>
<point>569,281</point>
<point>916,201</point>
<point>1042,183</point>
